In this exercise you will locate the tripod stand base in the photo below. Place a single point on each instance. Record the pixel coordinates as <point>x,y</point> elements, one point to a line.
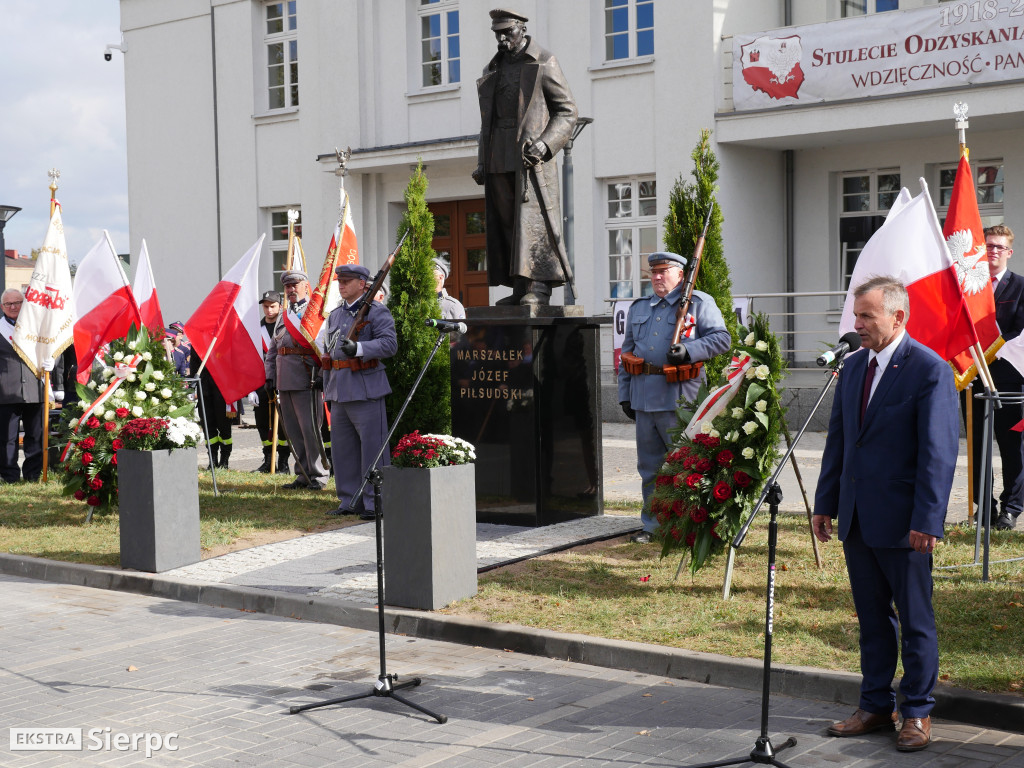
<point>385,687</point>
<point>763,753</point>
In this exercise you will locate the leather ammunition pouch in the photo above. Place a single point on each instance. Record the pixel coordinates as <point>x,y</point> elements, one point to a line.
<point>637,366</point>
<point>352,362</point>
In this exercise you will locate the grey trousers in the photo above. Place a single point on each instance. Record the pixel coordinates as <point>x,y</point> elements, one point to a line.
<point>303,435</point>
<point>358,429</point>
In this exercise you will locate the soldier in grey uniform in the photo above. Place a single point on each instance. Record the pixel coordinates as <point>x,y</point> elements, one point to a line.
<point>290,364</point>
<point>21,399</point>
<point>648,398</point>
<point>451,308</point>
<point>355,384</point>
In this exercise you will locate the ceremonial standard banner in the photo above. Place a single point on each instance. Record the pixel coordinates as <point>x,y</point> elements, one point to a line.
<point>884,54</point>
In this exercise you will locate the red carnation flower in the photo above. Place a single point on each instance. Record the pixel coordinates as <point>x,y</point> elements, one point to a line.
<point>80,494</point>
<point>121,412</point>
<point>110,426</point>
<point>86,458</point>
<point>724,458</point>
<point>722,491</point>
<point>92,423</point>
<point>117,444</point>
<point>113,459</point>
<point>699,515</point>
<point>87,443</point>
<point>694,480</point>
<point>679,480</point>
<point>702,465</point>
<point>93,501</point>
<point>95,483</point>
<point>741,478</point>
<point>689,462</point>
<point>661,480</point>
<point>691,538</point>
<point>677,508</point>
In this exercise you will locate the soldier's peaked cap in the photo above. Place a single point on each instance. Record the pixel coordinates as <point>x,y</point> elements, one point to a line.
<point>503,19</point>
<point>665,257</point>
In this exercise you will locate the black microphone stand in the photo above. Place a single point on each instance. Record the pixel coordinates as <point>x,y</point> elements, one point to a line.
<point>764,752</point>
<point>386,683</point>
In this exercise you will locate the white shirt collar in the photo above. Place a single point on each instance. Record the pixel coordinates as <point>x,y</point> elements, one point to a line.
<point>885,354</point>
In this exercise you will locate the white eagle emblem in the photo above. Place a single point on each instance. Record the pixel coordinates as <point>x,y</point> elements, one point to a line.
<point>971,270</point>
<point>781,59</point>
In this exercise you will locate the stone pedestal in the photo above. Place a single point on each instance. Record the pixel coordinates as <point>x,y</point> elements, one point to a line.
<point>158,505</point>
<point>526,392</point>
<point>429,536</point>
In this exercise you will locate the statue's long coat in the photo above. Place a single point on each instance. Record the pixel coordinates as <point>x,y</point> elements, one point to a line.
<point>547,113</point>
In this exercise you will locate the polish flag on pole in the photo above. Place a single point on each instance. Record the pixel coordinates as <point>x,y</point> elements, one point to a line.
<point>965,238</point>
<point>104,303</point>
<point>44,325</point>
<point>910,246</point>
<point>344,249</point>
<point>145,294</point>
<point>225,329</point>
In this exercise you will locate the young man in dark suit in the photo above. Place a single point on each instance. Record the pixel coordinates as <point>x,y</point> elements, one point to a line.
<point>886,474</point>
<point>1008,288</point>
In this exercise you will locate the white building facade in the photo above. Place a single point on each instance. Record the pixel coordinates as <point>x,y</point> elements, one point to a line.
<point>235,109</point>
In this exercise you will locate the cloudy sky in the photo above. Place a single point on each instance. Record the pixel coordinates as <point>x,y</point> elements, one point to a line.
<point>62,106</point>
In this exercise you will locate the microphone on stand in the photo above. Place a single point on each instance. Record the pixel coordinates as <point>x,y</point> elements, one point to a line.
<point>849,342</point>
<point>447,326</point>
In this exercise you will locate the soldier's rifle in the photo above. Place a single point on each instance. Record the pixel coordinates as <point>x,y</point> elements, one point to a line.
<point>687,371</point>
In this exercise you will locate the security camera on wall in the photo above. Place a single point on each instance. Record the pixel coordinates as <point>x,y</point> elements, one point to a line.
<point>108,53</point>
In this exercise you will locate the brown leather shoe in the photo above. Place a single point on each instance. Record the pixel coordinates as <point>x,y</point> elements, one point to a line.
<point>861,722</point>
<point>916,734</point>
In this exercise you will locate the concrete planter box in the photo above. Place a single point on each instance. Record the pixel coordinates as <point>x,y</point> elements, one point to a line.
<point>158,503</point>
<point>429,535</point>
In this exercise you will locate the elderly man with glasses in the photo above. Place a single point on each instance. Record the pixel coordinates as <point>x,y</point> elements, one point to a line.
<point>21,400</point>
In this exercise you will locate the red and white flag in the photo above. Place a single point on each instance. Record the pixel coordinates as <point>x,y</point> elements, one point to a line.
<point>910,246</point>
<point>965,238</point>
<point>344,249</point>
<point>104,304</point>
<point>225,329</point>
<point>145,293</point>
<point>43,329</point>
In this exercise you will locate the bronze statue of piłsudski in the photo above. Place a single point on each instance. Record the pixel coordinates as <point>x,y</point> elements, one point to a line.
<point>527,116</point>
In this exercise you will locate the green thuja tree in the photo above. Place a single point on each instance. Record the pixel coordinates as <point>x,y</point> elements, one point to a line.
<point>687,209</point>
<point>413,300</point>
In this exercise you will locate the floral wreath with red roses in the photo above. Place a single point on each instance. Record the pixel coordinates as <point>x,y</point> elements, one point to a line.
<point>132,382</point>
<point>722,455</point>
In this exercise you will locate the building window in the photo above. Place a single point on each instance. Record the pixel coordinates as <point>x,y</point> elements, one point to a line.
<point>628,29</point>
<point>279,239</point>
<point>440,57</point>
<point>281,39</point>
<point>865,199</point>
<point>632,233</point>
<point>861,7</point>
<point>988,184</point>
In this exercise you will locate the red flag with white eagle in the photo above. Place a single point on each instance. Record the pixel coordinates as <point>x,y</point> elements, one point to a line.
<point>965,238</point>
<point>910,246</point>
<point>225,329</point>
<point>44,326</point>
<point>104,303</point>
<point>145,293</point>
<point>343,249</point>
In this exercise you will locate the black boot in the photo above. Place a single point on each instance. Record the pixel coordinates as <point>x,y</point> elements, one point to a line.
<point>225,453</point>
<point>214,451</point>
<point>519,289</point>
<point>265,466</point>
<point>282,461</point>
<point>538,294</point>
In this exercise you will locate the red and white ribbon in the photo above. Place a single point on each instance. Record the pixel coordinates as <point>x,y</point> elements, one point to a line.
<point>719,400</point>
<point>122,370</point>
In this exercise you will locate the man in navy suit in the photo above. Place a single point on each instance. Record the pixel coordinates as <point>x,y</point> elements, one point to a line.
<point>1008,288</point>
<point>886,473</point>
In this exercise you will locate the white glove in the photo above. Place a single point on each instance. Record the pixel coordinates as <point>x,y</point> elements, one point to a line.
<point>254,399</point>
<point>58,395</point>
<point>48,364</point>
